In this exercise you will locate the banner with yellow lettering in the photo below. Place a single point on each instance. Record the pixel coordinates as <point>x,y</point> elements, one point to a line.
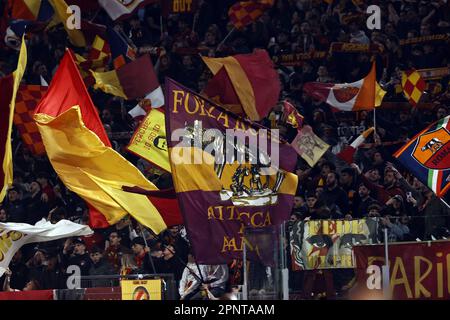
<point>325,244</point>
<point>14,235</point>
<point>149,140</point>
<point>417,270</point>
<point>178,7</point>
<point>228,174</point>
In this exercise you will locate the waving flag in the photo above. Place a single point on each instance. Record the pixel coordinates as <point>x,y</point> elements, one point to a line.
<point>81,153</point>
<point>309,146</point>
<point>348,153</point>
<point>27,100</point>
<point>32,10</point>
<point>122,50</point>
<point>122,9</point>
<point>427,156</point>
<point>413,86</point>
<point>14,235</point>
<point>243,13</point>
<point>9,86</point>
<point>254,79</point>
<point>219,198</point>
<point>135,80</point>
<point>364,94</point>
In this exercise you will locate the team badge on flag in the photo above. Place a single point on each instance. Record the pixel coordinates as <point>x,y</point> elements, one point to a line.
<point>427,156</point>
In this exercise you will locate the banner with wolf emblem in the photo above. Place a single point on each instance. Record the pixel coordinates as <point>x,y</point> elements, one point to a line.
<point>325,244</point>
<point>227,172</point>
<point>427,156</point>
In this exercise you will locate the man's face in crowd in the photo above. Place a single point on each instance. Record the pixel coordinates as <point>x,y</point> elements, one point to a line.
<point>137,248</point>
<point>374,175</point>
<point>106,116</point>
<point>13,195</point>
<point>331,179</point>
<point>174,231</point>
<point>311,201</point>
<point>325,171</point>
<point>34,187</point>
<point>168,252</point>
<point>389,178</point>
<point>96,257</point>
<point>79,249</point>
<point>298,202</point>
<point>305,28</point>
<point>377,158</point>
<point>363,191</point>
<point>2,215</point>
<point>114,239</point>
<point>345,178</point>
<point>441,113</point>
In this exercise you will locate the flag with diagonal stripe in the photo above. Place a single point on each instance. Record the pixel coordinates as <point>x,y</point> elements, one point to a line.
<point>413,86</point>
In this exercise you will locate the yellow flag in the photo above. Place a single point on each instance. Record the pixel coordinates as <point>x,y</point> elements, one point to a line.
<point>109,82</point>
<point>7,165</point>
<point>94,171</point>
<point>76,36</point>
<point>149,141</point>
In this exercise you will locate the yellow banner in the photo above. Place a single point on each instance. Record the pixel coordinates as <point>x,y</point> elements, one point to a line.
<point>141,289</point>
<point>149,141</point>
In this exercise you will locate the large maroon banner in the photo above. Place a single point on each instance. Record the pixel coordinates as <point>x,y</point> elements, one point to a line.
<point>27,295</point>
<point>418,270</point>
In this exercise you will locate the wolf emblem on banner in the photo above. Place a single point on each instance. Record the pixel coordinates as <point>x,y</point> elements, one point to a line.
<point>246,187</point>
<point>432,149</point>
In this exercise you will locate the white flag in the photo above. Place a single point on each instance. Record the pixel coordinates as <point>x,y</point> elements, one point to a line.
<point>14,235</point>
<point>156,98</point>
<point>122,8</point>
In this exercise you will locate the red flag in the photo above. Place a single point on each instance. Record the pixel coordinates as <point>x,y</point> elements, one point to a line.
<point>165,201</point>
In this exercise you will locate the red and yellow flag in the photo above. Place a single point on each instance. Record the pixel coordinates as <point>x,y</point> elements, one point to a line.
<point>413,86</point>
<point>254,79</point>
<point>28,98</point>
<point>243,13</point>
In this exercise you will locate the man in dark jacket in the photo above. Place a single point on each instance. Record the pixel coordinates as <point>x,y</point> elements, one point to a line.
<point>333,195</point>
<point>78,256</point>
<point>15,207</point>
<point>100,267</point>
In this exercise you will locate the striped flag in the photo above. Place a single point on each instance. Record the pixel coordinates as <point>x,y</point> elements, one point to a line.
<point>427,156</point>
<point>122,9</point>
<point>28,98</point>
<point>244,13</point>
<point>413,86</point>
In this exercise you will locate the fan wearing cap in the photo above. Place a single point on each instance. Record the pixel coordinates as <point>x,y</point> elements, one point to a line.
<point>141,257</point>
<point>74,253</point>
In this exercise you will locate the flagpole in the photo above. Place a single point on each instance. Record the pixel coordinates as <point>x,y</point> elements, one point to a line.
<point>161,25</point>
<point>374,122</point>
<point>226,38</point>
<point>149,253</point>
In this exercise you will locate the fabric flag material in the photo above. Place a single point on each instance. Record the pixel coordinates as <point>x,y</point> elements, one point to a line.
<point>309,146</point>
<point>100,49</point>
<point>9,86</point>
<point>14,235</point>
<point>149,141</point>
<point>122,49</point>
<point>364,94</point>
<point>219,198</point>
<point>81,153</point>
<point>348,152</point>
<point>165,201</point>
<point>32,10</point>
<point>27,100</point>
<point>220,90</point>
<point>132,81</point>
<point>154,99</point>
<point>413,86</point>
<point>94,171</point>
<point>119,9</point>
<point>244,13</point>
<point>293,117</point>
<point>426,156</point>
<point>254,80</point>
<point>78,37</point>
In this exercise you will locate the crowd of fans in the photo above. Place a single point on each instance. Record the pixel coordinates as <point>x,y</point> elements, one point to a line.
<point>373,186</point>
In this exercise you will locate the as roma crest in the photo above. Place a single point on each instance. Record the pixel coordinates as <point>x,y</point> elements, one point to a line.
<point>432,149</point>
<point>346,93</point>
